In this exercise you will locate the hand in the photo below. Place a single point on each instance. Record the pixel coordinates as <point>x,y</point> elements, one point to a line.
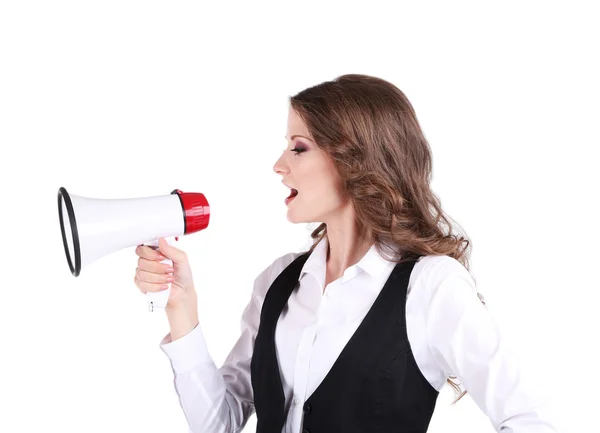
<point>151,275</point>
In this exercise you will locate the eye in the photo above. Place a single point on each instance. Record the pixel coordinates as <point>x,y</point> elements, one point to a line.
<point>298,150</point>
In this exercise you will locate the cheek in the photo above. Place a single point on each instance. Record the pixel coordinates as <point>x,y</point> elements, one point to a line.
<point>318,181</point>
<point>323,190</point>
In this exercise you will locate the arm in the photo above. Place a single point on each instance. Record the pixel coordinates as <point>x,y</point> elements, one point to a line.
<point>465,341</point>
<point>212,399</point>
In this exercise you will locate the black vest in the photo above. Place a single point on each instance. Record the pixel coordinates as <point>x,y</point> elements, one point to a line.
<point>373,386</point>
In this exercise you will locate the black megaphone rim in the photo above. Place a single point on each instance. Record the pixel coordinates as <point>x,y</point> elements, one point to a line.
<point>64,195</point>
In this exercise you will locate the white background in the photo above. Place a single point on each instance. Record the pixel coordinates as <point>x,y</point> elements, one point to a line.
<point>123,99</point>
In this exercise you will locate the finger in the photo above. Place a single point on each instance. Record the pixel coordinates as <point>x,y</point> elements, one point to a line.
<point>154,266</point>
<point>174,254</point>
<point>148,253</point>
<point>150,277</point>
<point>145,287</point>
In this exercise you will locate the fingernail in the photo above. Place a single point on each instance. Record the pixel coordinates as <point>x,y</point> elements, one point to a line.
<point>160,257</point>
<point>170,270</point>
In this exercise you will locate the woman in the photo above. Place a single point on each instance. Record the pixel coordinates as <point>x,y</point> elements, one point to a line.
<point>360,332</point>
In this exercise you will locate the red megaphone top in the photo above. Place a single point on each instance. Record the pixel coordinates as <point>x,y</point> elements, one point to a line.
<point>196,210</point>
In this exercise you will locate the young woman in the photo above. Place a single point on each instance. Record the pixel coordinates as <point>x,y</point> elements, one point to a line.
<point>360,332</point>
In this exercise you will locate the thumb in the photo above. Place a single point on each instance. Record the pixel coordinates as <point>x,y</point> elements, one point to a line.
<point>176,255</point>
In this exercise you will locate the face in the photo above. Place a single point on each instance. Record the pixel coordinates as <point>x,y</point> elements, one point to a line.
<point>309,170</point>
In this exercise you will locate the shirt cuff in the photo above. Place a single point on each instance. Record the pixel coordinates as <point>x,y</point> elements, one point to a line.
<point>187,352</point>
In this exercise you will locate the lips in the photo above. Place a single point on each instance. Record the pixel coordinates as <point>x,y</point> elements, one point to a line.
<point>293,193</point>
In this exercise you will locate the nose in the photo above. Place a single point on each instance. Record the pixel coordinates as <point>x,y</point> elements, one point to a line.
<point>280,166</point>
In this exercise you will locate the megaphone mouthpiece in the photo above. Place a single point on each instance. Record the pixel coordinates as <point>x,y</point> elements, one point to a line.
<point>196,211</point>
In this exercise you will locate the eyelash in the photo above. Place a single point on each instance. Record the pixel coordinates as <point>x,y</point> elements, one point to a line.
<point>298,150</point>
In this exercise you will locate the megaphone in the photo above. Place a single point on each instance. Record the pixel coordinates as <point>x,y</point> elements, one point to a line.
<point>92,228</point>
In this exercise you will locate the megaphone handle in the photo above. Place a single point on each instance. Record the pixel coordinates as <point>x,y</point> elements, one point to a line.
<point>159,299</point>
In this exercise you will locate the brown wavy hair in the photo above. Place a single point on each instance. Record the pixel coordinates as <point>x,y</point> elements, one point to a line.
<point>369,129</point>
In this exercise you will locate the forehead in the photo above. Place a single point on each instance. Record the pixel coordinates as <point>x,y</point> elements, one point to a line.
<point>296,125</point>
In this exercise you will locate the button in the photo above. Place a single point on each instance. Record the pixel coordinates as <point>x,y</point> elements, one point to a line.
<point>307,408</point>
<point>297,401</point>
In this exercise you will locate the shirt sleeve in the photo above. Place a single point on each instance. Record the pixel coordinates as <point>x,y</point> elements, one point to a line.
<point>466,342</point>
<point>218,400</point>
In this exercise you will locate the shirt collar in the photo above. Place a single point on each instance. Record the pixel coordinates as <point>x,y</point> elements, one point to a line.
<point>372,262</point>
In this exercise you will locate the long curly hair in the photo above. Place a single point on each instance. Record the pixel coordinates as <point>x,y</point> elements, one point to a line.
<point>369,129</point>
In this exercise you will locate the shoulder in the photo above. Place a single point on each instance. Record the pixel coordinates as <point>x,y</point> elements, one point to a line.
<point>434,273</point>
<point>442,265</point>
<point>266,277</point>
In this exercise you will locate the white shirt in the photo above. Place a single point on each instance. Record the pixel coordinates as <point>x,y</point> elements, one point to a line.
<point>450,332</point>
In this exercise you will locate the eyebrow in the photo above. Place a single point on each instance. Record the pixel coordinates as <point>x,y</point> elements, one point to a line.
<point>297,135</point>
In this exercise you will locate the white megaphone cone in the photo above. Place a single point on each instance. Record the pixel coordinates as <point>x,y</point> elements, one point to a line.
<point>92,228</point>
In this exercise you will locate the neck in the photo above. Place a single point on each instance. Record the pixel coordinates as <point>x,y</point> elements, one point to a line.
<point>346,245</point>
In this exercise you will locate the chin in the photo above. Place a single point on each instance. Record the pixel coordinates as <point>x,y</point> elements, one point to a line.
<point>314,214</point>
<point>299,219</point>
<point>296,218</point>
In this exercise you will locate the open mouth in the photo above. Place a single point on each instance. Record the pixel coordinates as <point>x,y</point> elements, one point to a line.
<point>293,193</point>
